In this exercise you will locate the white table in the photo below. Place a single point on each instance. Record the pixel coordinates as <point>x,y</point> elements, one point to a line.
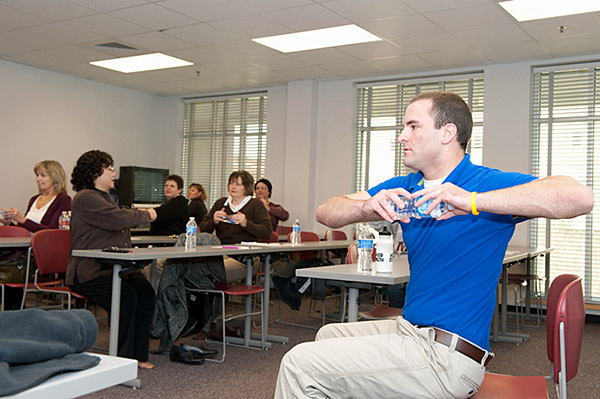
<point>153,240</point>
<point>141,254</point>
<point>109,372</point>
<point>15,242</point>
<point>348,272</point>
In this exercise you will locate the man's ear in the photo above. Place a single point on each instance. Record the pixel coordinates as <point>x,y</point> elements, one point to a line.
<point>449,133</point>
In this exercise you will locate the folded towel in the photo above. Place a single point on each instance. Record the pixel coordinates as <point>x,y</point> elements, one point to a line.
<point>36,345</point>
<point>35,335</point>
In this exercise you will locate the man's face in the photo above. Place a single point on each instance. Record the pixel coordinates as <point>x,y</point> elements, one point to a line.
<point>420,139</point>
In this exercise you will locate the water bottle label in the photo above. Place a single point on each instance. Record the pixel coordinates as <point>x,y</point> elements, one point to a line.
<point>296,229</point>
<point>190,229</point>
<point>365,244</point>
<point>421,210</point>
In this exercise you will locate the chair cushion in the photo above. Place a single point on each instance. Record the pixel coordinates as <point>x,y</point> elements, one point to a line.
<point>499,386</point>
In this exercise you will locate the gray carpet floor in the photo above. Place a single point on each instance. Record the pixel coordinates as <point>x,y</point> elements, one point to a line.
<point>252,374</point>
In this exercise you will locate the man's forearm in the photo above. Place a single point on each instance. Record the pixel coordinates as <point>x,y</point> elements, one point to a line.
<point>342,210</point>
<point>554,197</point>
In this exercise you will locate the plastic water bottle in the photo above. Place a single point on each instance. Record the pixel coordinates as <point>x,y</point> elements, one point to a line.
<point>365,250</point>
<point>64,221</point>
<point>384,252</point>
<point>411,211</point>
<point>296,237</point>
<point>191,230</point>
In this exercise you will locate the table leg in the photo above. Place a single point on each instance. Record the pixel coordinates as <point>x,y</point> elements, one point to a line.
<point>115,310</point>
<point>247,319</point>
<point>504,336</point>
<point>352,304</point>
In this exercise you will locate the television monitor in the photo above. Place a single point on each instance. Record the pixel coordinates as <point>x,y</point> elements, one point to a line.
<point>141,185</point>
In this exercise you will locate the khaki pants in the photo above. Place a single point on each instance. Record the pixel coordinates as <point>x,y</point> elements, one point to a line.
<point>376,359</point>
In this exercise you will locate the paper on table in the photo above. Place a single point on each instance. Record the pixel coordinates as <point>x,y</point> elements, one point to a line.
<point>265,244</point>
<point>229,247</point>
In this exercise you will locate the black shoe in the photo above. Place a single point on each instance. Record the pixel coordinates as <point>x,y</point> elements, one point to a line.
<point>200,351</point>
<point>181,355</point>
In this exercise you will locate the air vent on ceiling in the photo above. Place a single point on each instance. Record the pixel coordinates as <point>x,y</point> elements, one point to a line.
<point>115,46</point>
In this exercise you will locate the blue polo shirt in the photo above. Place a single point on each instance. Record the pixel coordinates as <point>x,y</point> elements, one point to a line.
<point>455,264</point>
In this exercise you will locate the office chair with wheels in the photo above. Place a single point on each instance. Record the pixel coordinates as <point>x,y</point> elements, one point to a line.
<point>565,319</point>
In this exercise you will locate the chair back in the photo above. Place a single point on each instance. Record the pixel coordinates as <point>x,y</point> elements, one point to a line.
<point>556,288</point>
<point>283,230</point>
<point>569,317</point>
<point>335,235</point>
<point>274,238</point>
<point>305,236</point>
<point>51,250</point>
<point>14,231</point>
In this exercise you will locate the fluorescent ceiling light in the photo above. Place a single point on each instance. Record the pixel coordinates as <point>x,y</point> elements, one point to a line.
<point>527,10</point>
<point>319,38</point>
<point>138,63</point>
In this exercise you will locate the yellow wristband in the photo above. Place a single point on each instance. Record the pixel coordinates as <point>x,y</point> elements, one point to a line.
<point>474,210</point>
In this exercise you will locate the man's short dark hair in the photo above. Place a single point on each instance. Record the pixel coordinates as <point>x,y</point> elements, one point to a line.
<point>177,179</point>
<point>447,107</point>
<point>88,167</point>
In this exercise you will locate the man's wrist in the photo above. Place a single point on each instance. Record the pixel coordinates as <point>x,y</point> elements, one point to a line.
<point>474,210</point>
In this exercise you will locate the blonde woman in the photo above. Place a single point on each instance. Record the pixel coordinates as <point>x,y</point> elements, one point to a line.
<point>43,209</point>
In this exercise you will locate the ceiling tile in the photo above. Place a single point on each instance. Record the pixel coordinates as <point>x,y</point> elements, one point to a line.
<point>156,41</point>
<point>372,50</point>
<point>513,52</point>
<point>244,49</point>
<point>455,58</point>
<point>251,26</point>
<point>354,68</point>
<point>207,10</point>
<point>75,54</point>
<point>56,10</point>
<point>401,27</point>
<point>402,64</point>
<point>302,18</point>
<point>16,18</point>
<point>429,43</point>
<point>309,72</point>
<point>109,5</point>
<point>153,17</point>
<point>200,55</point>
<point>38,58</point>
<point>28,40</point>
<point>107,25</point>
<point>574,25</point>
<point>365,10</point>
<point>488,35</point>
<point>278,61</point>
<point>470,17</point>
<point>323,56</point>
<point>64,33</point>
<point>201,34</point>
<point>270,5</point>
<point>436,5</point>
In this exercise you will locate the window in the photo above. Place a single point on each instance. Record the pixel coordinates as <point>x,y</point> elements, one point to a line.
<point>380,111</point>
<point>221,135</point>
<point>565,122</point>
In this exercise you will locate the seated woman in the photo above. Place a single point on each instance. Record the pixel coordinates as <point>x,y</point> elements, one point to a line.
<point>44,208</point>
<point>97,222</point>
<point>43,211</point>
<point>236,218</point>
<point>263,189</point>
<point>172,216</point>
<point>197,196</point>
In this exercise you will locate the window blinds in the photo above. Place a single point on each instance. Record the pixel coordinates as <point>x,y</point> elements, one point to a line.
<point>565,118</point>
<point>380,109</point>
<point>222,135</point>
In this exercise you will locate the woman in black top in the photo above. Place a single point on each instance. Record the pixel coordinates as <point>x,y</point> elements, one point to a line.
<point>197,196</point>
<point>173,215</point>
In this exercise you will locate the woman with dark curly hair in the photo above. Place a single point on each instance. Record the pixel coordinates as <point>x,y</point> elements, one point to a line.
<point>97,222</point>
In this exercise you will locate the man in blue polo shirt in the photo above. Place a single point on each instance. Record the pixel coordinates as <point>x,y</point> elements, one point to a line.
<point>440,346</point>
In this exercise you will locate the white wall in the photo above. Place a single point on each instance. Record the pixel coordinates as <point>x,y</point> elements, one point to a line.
<point>47,115</point>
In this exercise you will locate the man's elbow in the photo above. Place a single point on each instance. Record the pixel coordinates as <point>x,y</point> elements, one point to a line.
<point>586,200</point>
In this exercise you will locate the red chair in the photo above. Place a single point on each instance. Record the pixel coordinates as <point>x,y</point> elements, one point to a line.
<point>565,319</point>
<point>223,289</point>
<point>274,238</point>
<point>51,250</point>
<point>334,235</point>
<point>305,236</point>
<point>15,231</point>
<point>283,231</point>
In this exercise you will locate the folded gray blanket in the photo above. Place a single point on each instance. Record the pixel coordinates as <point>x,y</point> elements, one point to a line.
<point>37,344</point>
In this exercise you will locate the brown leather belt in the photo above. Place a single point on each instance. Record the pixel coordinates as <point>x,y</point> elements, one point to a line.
<point>462,346</point>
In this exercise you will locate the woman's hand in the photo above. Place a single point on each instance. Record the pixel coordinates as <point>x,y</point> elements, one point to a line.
<point>239,218</point>
<point>15,215</point>
<point>220,216</point>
